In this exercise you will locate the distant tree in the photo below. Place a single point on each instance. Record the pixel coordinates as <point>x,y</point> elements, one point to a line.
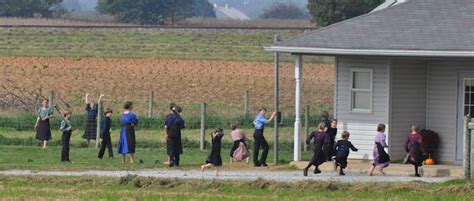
<point>326,12</point>
<point>284,11</point>
<point>29,8</point>
<point>202,8</point>
<point>153,11</point>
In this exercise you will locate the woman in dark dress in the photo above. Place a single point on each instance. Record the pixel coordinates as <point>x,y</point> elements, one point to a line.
<point>173,125</point>
<point>126,143</point>
<point>413,148</point>
<point>90,132</point>
<point>215,157</point>
<point>42,126</point>
<point>321,140</point>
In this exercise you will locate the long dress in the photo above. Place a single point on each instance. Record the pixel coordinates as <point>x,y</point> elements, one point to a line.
<point>174,123</point>
<point>239,150</point>
<point>215,157</point>
<point>413,147</point>
<point>43,131</point>
<point>379,138</point>
<point>321,140</point>
<point>126,143</point>
<point>90,132</point>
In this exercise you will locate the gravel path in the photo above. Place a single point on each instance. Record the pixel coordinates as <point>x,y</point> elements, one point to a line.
<point>233,175</point>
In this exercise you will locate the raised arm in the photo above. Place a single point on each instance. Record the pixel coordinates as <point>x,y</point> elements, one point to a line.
<point>271,117</point>
<point>87,98</point>
<point>100,98</point>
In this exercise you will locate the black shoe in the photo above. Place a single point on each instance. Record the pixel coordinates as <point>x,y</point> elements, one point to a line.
<point>417,175</point>
<point>317,171</point>
<point>171,165</point>
<point>305,172</point>
<point>257,165</point>
<point>264,165</point>
<point>341,172</point>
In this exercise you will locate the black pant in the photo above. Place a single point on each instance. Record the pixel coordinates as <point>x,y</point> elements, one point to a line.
<point>106,143</point>
<point>65,140</point>
<point>259,140</point>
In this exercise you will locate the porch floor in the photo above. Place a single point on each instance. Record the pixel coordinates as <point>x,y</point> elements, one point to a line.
<point>362,166</point>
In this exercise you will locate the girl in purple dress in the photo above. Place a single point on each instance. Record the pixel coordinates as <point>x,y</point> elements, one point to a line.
<point>381,158</point>
<point>126,143</point>
<point>413,148</point>
<point>321,140</point>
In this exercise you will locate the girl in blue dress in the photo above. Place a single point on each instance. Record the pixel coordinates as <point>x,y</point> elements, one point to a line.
<point>126,143</point>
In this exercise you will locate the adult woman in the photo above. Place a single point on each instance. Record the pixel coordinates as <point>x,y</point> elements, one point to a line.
<point>381,158</point>
<point>90,132</point>
<point>173,125</point>
<point>42,125</point>
<point>126,143</point>
<point>413,148</point>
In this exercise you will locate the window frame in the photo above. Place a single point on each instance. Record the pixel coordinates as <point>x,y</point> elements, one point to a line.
<point>352,90</point>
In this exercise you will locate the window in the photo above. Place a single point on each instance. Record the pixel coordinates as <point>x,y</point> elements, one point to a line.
<point>361,90</point>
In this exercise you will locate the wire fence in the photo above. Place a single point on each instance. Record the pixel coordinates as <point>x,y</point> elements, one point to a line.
<point>20,114</point>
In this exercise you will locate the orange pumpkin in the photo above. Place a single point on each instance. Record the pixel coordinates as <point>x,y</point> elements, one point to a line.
<point>429,161</point>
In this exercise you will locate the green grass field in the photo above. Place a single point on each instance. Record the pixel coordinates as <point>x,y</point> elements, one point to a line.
<point>139,188</point>
<point>19,150</point>
<point>73,43</point>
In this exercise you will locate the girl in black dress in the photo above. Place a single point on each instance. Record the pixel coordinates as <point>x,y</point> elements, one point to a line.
<point>321,140</point>
<point>42,126</point>
<point>214,159</point>
<point>90,132</point>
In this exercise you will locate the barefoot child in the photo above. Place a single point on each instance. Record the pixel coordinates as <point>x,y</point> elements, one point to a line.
<point>413,148</point>
<point>321,140</point>
<point>381,158</point>
<point>67,129</point>
<point>42,126</point>
<point>106,141</point>
<point>342,151</point>
<point>214,159</point>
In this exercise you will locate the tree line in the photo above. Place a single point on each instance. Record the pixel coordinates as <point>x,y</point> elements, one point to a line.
<point>321,12</point>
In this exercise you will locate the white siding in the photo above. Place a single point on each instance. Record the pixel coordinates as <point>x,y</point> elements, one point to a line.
<point>443,102</point>
<point>408,101</point>
<point>362,126</point>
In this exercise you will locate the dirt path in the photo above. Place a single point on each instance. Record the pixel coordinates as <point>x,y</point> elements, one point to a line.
<point>233,175</point>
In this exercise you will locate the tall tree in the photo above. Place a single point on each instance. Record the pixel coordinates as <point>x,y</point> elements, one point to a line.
<point>284,11</point>
<point>152,11</point>
<point>28,8</point>
<point>326,12</point>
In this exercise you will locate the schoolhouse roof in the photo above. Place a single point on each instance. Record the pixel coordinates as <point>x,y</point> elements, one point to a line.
<point>442,28</point>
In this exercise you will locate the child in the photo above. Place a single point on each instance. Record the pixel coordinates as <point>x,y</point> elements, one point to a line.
<point>173,125</point>
<point>381,158</point>
<point>413,148</point>
<point>239,150</point>
<point>215,157</point>
<point>42,126</point>
<point>332,132</point>
<point>325,119</point>
<point>321,140</point>
<point>342,151</point>
<point>127,140</point>
<point>259,139</point>
<point>106,141</point>
<point>67,129</point>
<point>90,131</point>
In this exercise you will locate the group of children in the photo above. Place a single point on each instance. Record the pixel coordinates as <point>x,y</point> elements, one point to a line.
<point>324,146</point>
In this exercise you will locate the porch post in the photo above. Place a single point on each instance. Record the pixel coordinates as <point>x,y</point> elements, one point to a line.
<point>297,130</point>
<point>467,148</point>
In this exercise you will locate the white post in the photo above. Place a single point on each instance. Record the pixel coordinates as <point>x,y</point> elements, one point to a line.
<point>297,131</point>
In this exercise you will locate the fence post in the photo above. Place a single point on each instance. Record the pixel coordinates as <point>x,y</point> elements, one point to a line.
<point>277,104</point>
<point>99,113</point>
<point>306,127</point>
<point>150,104</point>
<point>202,142</point>
<point>51,99</point>
<point>467,148</point>
<point>246,102</point>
